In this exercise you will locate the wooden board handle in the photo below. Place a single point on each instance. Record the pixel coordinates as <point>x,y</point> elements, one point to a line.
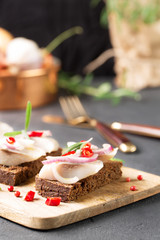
<point>115,138</point>
<point>139,129</point>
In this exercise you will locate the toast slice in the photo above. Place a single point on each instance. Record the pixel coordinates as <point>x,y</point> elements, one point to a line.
<point>71,192</point>
<point>15,175</point>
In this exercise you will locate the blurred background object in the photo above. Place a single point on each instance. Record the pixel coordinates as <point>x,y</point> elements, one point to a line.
<point>38,85</point>
<point>135,35</point>
<point>131,26</point>
<point>42,21</point>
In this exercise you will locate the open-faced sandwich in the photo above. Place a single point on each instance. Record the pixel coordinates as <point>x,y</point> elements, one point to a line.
<point>80,169</point>
<point>22,152</point>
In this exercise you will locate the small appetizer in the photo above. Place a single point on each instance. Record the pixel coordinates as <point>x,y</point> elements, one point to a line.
<point>80,169</point>
<point>22,152</point>
<point>4,127</point>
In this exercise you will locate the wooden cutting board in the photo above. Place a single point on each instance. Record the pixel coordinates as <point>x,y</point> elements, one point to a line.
<point>38,215</point>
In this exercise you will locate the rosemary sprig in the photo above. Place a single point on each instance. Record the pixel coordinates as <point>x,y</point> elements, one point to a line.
<point>27,122</point>
<point>78,85</point>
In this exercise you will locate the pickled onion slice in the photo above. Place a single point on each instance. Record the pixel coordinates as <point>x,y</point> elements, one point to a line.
<point>70,158</point>
<point>107,150</point>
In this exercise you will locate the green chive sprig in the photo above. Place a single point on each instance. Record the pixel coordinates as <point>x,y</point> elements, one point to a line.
<point>27,122</point>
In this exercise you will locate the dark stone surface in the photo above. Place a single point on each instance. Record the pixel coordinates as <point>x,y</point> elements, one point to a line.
<point>137,221</point>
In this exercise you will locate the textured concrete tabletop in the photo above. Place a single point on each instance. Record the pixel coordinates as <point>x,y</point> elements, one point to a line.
<point>140,220</point>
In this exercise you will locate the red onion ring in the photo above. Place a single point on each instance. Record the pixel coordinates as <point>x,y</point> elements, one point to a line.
<point>70,158</point>
<point>107,149</point>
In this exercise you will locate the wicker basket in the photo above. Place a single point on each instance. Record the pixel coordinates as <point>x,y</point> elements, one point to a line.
<point>137,54</point>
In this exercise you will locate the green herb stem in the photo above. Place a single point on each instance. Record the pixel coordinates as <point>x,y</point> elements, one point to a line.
<point>62,37</point>
<point>73,147</point>
<point>28,115</point>
<point>117,159</point>
<point>12,134</point>
<point>78,85</point>
<point>27,122</point>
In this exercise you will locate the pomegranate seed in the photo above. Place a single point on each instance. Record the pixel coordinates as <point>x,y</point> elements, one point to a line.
<point>10,189</point>
<point>128,179</point>
<point>133,188</point>
<point>139,177</point>
<point>17,193</point>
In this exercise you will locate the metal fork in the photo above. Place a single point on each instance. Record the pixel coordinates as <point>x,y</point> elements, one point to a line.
<point>76,114</point>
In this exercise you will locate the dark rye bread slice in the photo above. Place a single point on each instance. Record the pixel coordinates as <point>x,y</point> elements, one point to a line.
<point>70,192</point>
<point>15,175</point>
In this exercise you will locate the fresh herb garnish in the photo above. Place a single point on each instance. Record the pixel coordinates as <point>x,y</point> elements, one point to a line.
<point>27,122</point>
<point>117,159</point>
<point>73,147</point>
<point>12,134</point>
<point>135,12</point>
<point>28,115</point>
<point>78,85</point>
<point>62,37</point>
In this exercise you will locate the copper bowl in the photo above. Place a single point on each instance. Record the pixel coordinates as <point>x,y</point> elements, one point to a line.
<point>37,85</point>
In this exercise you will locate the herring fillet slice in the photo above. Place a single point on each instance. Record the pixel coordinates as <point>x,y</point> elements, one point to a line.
<point>69,173</point>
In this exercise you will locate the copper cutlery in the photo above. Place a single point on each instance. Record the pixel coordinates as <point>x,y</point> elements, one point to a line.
<point>138,129</point>
<point>76,114</point>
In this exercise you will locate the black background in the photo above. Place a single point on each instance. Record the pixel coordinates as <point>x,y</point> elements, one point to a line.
<point>43,20</point>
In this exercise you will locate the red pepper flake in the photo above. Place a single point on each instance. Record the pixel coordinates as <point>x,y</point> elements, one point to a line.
<point>10,189</point>
<point>133,188</point>
<point>11,140</point>
<point>140,177</point>
<point>17,193</point>
<point>87,145</point>
<point>53,201</point>
<point>35,134</point>
<point>128,179</point>
<point>69,153</point>
<point>86,152</point>
<point>29,196</point>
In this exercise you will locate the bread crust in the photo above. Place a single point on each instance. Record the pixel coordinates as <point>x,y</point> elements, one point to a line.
<point>70,192</point>
<point>15,175</point>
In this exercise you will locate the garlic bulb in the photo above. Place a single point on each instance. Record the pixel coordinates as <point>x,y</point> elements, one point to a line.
<point>24,54</point>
